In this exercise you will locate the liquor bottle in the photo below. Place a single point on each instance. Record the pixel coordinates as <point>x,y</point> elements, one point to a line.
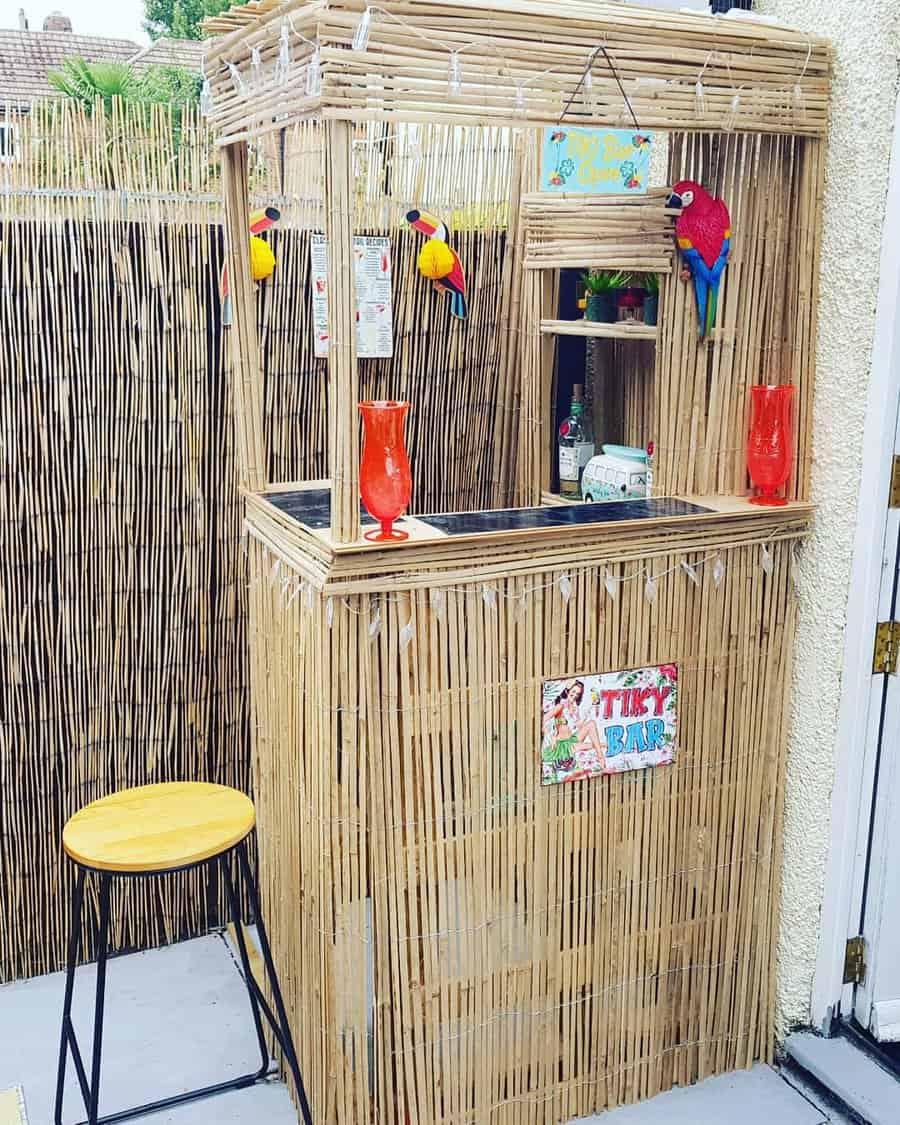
<point>576,446</point>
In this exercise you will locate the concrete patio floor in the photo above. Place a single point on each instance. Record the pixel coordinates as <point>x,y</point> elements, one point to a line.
<point>178,1018</point>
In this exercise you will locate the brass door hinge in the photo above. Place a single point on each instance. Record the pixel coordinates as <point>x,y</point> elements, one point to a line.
<point>894,501</point>
<point>855,961</point>
<point>887,644</point>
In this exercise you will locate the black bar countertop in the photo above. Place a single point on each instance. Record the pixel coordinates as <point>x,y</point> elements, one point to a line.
<point>312,508</point>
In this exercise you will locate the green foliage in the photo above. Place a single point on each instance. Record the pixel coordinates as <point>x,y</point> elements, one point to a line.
<point>651,283</point>
<point>90,82</point>
<point>86,82</point>
<point>180,18</point>
<point>170,85</point>
<point>602,281</point>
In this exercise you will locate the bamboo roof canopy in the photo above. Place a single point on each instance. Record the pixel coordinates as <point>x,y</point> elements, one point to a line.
<point>517,64</point>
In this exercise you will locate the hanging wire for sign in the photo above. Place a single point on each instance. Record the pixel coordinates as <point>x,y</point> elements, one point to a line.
<point>601,49</point>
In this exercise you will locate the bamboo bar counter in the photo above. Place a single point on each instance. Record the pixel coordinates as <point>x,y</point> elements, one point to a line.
<point>458,941</point>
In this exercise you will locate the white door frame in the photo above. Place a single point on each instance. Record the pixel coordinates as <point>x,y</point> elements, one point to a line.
<point>853,780</point>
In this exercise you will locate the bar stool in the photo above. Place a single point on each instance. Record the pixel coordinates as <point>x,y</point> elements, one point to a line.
<point>153,830</point>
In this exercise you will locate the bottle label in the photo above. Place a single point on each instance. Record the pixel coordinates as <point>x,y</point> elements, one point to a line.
<point>573,458</point>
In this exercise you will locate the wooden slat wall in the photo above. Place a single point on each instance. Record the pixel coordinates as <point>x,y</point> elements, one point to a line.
<point>533,954</point>
<point>122,636</point>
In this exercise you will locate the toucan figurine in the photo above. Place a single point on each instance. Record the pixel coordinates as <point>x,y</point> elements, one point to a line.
<point>703,232</point>
<point>439,262</point>
<point>262,260</point>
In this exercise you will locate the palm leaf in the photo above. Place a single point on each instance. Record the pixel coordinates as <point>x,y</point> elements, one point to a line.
<point>87,82</point>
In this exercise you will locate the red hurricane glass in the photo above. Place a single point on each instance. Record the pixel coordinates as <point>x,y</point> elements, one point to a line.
<point>770,446</point>
<point>385,481</point>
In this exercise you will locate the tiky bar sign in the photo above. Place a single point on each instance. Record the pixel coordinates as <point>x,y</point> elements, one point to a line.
<point>608,722</point>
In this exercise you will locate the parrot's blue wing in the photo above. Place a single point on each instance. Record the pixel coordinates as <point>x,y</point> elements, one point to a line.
<point>700,276</point>
<point>457,298</point>
<point>715,276</point>
<point>458,305</point>
<point>706,283</point>
<point>721,262</point>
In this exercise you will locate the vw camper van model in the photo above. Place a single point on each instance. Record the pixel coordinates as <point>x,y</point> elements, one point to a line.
<point>618,473</point>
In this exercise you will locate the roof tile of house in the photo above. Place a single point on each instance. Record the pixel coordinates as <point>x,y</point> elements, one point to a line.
<point>186,53</point>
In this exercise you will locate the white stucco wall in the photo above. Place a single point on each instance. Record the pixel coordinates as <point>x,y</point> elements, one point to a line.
<point>866,36</point>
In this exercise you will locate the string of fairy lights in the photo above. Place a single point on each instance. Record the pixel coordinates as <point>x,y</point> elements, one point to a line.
<point>456,79</point>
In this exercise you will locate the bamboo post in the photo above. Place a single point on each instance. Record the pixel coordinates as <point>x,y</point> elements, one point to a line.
<point>510,325</point>
<point>549,291</point>
<point>343,374</point>
<point>247,376</point>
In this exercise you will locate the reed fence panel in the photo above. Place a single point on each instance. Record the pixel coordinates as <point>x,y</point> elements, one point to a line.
<point>123,595</point>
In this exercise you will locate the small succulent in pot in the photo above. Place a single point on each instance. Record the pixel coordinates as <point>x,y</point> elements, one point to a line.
<point>602,287</point>
<point>651,300</point>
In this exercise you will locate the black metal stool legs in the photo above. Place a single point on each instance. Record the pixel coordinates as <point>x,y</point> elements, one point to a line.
<point>236,917</point>
<point>67,1035</point>
<point>281,1027</point>
<point>90,1090</point>
<point>102,952</point>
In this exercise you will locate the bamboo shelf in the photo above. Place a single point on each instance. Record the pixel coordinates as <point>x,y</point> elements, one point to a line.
<point>274,520</point>
<point>630,232</point>
<point>620,331</point>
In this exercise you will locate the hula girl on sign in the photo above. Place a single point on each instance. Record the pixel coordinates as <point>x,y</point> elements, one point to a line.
<point>572,747</point>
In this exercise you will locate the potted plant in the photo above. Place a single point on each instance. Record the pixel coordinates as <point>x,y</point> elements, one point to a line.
<point>651,300</point>
<point>601,287</point>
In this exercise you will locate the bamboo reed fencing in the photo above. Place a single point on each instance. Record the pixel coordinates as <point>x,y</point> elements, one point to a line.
<point>122,651</point>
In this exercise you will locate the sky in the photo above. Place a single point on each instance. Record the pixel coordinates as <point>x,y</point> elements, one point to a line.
<point>119,19</point>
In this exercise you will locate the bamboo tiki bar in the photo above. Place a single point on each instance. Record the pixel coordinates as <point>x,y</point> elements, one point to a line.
<point>473,923</point>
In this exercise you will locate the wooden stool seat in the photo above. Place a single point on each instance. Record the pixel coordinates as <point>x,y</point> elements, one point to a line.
<point>156,828</point>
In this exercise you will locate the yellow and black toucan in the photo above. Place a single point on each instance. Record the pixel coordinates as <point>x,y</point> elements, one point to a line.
<point>439,261</point>
<point>262,260</point>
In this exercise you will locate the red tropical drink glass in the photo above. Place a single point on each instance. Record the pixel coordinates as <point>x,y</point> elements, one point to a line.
<point>770,446</point>
<point>385,482</point>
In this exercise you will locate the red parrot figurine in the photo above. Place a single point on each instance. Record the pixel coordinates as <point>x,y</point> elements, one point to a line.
<point>703,231</point>
<point>454,280</point>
